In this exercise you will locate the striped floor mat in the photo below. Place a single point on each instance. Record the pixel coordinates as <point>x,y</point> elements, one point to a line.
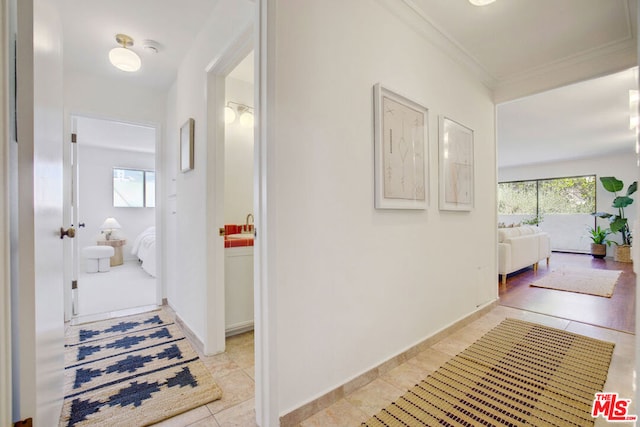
<point>132,371</point>
<point>519,373</point>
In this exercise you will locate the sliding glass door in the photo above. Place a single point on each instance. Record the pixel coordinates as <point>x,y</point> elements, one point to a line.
<point>560,206</point>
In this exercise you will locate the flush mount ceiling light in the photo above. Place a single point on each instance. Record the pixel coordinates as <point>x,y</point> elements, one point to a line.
<point>481,2</point>
<point>123,58</point>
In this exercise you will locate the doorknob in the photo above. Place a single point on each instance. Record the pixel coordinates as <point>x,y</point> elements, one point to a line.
<point>70,232</point>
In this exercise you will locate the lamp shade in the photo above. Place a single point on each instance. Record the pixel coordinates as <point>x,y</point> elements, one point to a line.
<point>110,224</point>
<point>124,59</point>
<point>229,115</point>
<point>246,119</point>
<point>481,2</point>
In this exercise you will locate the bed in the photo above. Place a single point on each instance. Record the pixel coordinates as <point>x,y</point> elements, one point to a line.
<point>144,247</point>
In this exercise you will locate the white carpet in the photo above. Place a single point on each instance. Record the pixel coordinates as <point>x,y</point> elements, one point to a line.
<point>580,280</point>
<point>124,286</point>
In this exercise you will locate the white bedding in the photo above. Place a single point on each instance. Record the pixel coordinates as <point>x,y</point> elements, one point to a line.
<point>144,247</point>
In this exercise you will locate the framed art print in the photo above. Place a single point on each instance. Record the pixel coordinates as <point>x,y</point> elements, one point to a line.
<point>401,151</point>
<point>186,145</point>
<point>456,169</point>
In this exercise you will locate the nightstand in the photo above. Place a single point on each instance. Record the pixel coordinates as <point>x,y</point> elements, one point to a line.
<point>116,244</point>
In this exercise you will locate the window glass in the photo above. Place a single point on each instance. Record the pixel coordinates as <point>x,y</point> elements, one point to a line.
<point>128,188</point>
<point>150,189</point>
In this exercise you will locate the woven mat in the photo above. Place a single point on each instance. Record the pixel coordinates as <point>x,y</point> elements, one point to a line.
<point>133,371</point>
<point>581,280</point>
<point>519,373</point>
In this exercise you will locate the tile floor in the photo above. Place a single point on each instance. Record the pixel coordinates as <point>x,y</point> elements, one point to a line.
<point>234,372</point>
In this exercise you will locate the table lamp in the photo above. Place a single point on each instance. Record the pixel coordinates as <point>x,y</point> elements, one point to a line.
<point>108,226</point>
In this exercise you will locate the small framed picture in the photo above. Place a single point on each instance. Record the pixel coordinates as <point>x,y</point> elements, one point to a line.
<point>401,151</point>
<point>186,145</point>
<point>456,181</point>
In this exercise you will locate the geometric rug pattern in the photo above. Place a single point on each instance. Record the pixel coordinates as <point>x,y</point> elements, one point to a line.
<point>519,373</point>
<point>580,280</point>
<point>132,371</point>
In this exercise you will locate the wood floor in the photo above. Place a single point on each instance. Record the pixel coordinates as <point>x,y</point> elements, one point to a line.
<point>617,312</point>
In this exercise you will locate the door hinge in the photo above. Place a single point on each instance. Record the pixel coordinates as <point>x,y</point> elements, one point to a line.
<point>74,284</point>
<point>25,423</point>
<point>74,138</point>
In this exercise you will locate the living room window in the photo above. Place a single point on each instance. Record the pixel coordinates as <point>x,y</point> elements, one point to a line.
<point>560,206</point>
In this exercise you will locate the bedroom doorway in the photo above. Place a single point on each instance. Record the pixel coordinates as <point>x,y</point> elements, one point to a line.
<point>113,198</point>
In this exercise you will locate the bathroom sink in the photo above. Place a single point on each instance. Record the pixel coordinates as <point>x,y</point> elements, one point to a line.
<point>240,236</point>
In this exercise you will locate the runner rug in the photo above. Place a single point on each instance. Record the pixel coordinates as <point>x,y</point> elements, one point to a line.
<point>134,371</point>
<point>519,373</point>
<point>581,280</point>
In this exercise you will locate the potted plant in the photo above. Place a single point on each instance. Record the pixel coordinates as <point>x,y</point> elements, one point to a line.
<point>600,242</point>
<point>618,221</point>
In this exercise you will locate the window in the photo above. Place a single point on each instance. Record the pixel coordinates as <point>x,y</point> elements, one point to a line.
<point>134,188</point>
<point>560,206</point>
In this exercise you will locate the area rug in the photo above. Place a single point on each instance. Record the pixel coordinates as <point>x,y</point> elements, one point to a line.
<point>133,371</point>
<point>519,373</point>
<point>581,280</point>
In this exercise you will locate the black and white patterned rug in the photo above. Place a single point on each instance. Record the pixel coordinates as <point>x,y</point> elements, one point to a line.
<point>134,371</point>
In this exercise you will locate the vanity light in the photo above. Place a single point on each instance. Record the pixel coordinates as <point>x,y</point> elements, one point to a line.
<point>229,114</point>
<point>481,2</point>
<point>123,58</point>
<point>244,112</point>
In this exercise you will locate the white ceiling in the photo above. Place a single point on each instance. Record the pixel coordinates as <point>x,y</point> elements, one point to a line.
<point>516,47</point>
<point>90,26</point>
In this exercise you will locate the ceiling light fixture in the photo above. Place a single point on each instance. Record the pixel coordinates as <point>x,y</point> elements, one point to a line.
<point>243,111</point>
<point>481,2</point>
<point>123,58</point>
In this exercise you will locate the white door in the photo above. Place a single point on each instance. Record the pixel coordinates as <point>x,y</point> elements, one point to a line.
<point>40,321</point>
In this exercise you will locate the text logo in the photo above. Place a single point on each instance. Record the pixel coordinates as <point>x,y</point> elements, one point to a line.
<point>612,408</point>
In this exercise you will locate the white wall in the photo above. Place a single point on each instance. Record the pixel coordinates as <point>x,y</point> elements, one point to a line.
<point>96,194</point>
<point>238,157</point>
<point>186,230</point>
<point>622,166</point>
<point>356,285</point>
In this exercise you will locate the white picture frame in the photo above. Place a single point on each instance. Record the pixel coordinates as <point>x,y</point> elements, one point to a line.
<point>456,166</point>
<point>401,134</point>
<point>186,145</point>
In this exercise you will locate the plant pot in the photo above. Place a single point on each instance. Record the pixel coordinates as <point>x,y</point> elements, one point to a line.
<point>598,250</point>
<point>622,253</point>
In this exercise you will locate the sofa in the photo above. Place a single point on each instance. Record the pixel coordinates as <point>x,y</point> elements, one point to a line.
<point>520,247</point>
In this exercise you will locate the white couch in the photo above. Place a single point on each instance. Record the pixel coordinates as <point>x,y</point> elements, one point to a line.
<point>520,247</point>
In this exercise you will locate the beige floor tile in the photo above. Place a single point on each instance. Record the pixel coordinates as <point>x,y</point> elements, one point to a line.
<point>374,396</point>
<point>406,375</point>
<point>342,414</point>
<point>241,415</point>
<point>430,360</point>
<point>237,387</point>
<point>186,418</point>
<point>456,342</point>
<point>220,365</point>
<point>251,371</point>
<point>242,356</point>
<point>207,422</point>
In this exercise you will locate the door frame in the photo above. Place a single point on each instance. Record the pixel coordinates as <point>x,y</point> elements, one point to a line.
<point>67,210</point>
<point>5,279</point>
<point>216,73</point>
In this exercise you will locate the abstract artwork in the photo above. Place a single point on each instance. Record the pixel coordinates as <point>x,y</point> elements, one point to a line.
<point>401,154</point>
<point>456,166</point>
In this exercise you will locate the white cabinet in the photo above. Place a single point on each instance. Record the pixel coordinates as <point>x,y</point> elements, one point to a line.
<point>238,287</point>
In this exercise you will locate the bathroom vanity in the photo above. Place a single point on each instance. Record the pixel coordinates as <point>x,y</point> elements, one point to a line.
<point>238,270</point>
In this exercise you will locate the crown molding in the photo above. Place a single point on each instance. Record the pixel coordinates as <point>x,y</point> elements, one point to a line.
<point>600,60</point>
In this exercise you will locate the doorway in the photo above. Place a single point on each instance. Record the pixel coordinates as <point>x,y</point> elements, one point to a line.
<point>113,210</point>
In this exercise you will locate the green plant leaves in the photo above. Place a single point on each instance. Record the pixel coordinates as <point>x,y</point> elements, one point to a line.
<point>611,184</point>
<point>618,224</point>
<point>632,188</point>
<point>622,202</point>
